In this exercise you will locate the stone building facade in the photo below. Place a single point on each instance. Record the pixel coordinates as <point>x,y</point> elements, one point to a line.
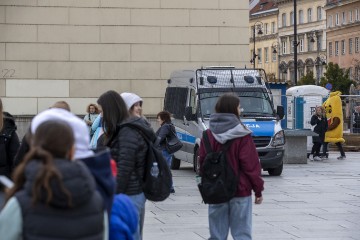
<point>311,41</point>
<point>264,18</point>
<point>343,35</point>
<point>74,50</point>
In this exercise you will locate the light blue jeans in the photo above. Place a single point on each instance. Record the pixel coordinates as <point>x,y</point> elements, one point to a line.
<point>235,215</point>
<point>168,158</point>
<point>139,202</point>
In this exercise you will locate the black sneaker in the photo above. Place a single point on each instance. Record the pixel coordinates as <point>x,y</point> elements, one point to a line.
<point>172,190</point>
<point>341,158</point>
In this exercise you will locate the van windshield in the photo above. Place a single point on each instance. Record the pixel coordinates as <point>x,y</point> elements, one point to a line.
<point>253,102</point>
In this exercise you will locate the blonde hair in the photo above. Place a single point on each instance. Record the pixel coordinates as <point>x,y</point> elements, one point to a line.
<point>322,110</point>
<point>1,115</point>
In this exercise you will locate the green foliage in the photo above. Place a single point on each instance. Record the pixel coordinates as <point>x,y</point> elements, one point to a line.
<point>339,78</point>
<point>308,79</point>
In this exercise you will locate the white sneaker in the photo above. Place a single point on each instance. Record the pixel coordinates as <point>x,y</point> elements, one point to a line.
<point>317,158</point>
<point>311,158</point>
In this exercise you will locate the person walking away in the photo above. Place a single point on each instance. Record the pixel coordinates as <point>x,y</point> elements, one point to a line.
<point>166,128</point>
<point>92,113</point>
<point>356,120</point>
<point>319,122</point>
<point>242,156</point>
<point>53,197</point>
<point>9,142</point>
<point>128,148</point>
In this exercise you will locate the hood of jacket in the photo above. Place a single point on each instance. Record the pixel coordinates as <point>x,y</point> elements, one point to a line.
<point>99,166</point>
<point>142,124</point>
<point>226,126</point>
<point>76,178</point>
<point>9,123</point>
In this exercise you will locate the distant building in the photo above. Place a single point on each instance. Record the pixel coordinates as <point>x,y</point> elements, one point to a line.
<point>343,34</point>
<point>311,40</point>
<point>263,22</point>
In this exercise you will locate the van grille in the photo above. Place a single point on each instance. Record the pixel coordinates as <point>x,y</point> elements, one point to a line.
<point>261,141</point>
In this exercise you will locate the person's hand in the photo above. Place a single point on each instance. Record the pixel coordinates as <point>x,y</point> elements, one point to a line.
<point>258,200</point>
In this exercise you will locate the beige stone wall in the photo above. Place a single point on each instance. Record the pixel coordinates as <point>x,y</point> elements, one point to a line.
<point>74,50</point>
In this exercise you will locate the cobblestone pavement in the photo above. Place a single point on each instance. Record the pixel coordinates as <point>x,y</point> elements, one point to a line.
<point>314,201</point>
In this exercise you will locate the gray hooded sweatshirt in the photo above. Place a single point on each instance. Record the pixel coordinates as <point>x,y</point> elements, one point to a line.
<point>226,126</point>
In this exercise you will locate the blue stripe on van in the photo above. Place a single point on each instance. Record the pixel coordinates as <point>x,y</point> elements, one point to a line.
<point>263,129</point>
<point>186,138</point>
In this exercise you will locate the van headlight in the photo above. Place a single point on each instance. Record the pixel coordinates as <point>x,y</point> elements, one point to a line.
<point>279,139</point>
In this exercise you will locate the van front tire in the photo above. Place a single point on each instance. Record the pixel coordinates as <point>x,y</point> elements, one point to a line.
<point>175,163</point>
<point>275,171</point>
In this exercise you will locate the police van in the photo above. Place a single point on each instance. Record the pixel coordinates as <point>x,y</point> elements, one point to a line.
<point>191,96</point>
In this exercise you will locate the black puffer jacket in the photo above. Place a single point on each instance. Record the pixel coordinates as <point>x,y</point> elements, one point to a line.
<point>163,132</point>
<point>9,144</point>
<point>320,128</point>
<point>129,150</point>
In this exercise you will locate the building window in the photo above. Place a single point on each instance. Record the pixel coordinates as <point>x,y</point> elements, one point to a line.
<point>301,45</point>
<point>266,53</point>
<point>336,48</point>
<point>284,19</point>
<point>291,18</point>
<point>310,44</point>
<point>357,14</point>
<point>330,21</point>
<point>319,42</point>
<point>274,56</point>
<point>350,16</point>
<point>251,53</point>
<point>337,19</point>
<point>356,44</point>
<point>319,13</point>
<point>309,11</point>
<point>330,49</point>
<point>273,27</point>
<point>266,27</point>
<point>350,46</point>
<point>259,55</point>
<point>301,16</point>
<point>343,18</point>
<point>283,46</point>
<point>342,47</point>
<point>291,45</point>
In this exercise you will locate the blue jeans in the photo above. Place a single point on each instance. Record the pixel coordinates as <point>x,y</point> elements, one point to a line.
<point>235,215</point>
<point>139,202</point>
<point>168,158</point>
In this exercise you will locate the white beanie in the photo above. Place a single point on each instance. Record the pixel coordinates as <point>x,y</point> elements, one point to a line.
<point>80,130</point>
<point>130,99</point>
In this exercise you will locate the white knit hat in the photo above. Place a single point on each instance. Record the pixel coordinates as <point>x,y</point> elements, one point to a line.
<point>80,130</point>
<point>130,99</point>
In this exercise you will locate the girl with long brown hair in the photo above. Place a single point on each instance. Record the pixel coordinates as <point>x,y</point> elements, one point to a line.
<point>53,197</point>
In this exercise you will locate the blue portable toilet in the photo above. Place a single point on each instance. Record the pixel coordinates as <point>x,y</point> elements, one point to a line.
<point>301,104</point>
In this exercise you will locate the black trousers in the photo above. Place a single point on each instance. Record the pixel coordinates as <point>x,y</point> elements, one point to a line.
<point>316,149</point>
<point>338,144</point>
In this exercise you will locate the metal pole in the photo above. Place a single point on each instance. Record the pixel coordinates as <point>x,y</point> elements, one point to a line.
<point>254,55</point>
<point>295,44</point>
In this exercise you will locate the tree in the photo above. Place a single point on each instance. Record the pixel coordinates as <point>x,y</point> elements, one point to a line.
<point>338,77</point>
<point>308,79</point>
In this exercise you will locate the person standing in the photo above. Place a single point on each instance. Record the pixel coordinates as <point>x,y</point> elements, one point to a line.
<point>356,120</point>
<point>165,130</point>
<point>242,156</point>
<point>53,197</point>
<point>92,113</point>
<point>319,122</point>
<point>128,148</point>
<point>9,142</point>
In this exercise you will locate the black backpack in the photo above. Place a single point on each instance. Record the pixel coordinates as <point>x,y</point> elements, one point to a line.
<point>155,188</point>
<point>219,182</point>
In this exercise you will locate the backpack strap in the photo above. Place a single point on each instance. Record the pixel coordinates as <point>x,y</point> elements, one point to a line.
<point>224,147</point>
<point>207,142</point>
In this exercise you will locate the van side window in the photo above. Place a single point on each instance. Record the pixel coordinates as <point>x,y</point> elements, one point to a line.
<point>192,101</point>
<point>175,101</point>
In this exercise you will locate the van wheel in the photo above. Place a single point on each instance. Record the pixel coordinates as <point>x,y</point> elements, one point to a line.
<point>275,171</point>
<point>195,162</point>
<point>175,163</point>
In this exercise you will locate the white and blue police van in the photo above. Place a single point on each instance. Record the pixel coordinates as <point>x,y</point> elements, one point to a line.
<point>191,96</point>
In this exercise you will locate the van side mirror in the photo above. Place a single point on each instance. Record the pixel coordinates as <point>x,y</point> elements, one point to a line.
<point>280,112</point>
<point>189,115</point>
